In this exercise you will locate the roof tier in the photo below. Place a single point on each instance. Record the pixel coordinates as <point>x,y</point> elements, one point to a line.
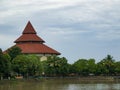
<point>29,38</point>
<point>29,35</point>
<point>36,48</point>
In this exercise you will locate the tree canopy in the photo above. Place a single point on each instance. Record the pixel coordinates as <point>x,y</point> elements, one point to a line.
<point>30,65</point>
<point>27,65</point>
<point>5,65</point>
<point>14,51</point>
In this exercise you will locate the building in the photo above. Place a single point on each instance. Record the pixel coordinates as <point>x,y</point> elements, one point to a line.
<point>31,43</point>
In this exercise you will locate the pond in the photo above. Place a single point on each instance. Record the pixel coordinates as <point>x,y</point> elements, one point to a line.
<point>54,84</point>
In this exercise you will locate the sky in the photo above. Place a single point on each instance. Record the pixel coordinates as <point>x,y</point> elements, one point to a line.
<point>76,28</point>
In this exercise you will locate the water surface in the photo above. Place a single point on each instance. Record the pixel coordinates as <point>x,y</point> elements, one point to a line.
<point>56,85</point>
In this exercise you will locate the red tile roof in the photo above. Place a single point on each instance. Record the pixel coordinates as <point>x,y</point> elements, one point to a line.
<point>29,29</point>
<point>36,48</point>
<point>29,34</point>
<point>30,43</point>
<point>29,37</point>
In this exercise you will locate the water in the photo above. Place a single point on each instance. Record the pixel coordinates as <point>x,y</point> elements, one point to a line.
<point>56,85</point>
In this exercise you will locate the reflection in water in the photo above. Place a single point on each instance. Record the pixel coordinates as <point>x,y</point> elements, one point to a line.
<point>93,87</point>
<point>56,85</point>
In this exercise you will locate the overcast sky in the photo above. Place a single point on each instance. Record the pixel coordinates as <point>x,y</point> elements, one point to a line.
<point>76,28</point>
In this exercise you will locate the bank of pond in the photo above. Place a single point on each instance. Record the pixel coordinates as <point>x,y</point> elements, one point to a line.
<point>59,84</point>
<point>80,79</point>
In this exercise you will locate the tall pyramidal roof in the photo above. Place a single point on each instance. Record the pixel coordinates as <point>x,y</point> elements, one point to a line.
<point>29,35</point>
<point>31,43</point>
<point>29,29</point>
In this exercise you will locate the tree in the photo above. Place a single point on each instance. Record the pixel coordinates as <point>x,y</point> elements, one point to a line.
<point>50,65</point>
<point>5,65</point>
<point>117,68</point>
<point>56,66</point>
<point>91,66</point>
<point>34,65</point>
<point>2,65</point>
<point>63,67</point>
<point>14,51</point>
<point>8,68</point>
<point>71,69</point>
<point>27,65</point>
<point>106,66</point>
<point>101,69</point>
<point>81,67</point>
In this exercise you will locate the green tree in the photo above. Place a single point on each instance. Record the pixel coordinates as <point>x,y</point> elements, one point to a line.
<point>5,65</point>
<point>2,64</point>
<point>8,68</point>
<point>91,66</point>
<point>106,66</point>
<point>56,66</point>
<point>14,51</point>
<point>101,69</point>
<point>27,65</point>
<point>63,67</point>
<point>81,67</point>
<point>117,68</point>
<point>50,65</point>
<point>34,65</point>
<point>71,69</point>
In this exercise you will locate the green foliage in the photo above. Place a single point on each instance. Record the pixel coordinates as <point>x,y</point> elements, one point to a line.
<point>5,65</point>
<point>30,65</point>
<point>91,66</point>
<point>81,66</point>
<point>84,66</point>
<point>1,52</point>
<point>101,69</point>
<point>27,65</point>
<point>117,68</point>
<point>106,66</point>
<point>56,66</point>
<point>14,51</point>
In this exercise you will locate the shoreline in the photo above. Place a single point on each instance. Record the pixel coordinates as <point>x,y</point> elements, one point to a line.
<point>88,79</point>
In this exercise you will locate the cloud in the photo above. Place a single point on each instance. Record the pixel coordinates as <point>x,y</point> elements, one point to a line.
<point>65,31</point>
<point>109,35</point>
<point>24,7</point>
<point>7,41</point>
<point>84,24</point>
<point>65,17</point>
